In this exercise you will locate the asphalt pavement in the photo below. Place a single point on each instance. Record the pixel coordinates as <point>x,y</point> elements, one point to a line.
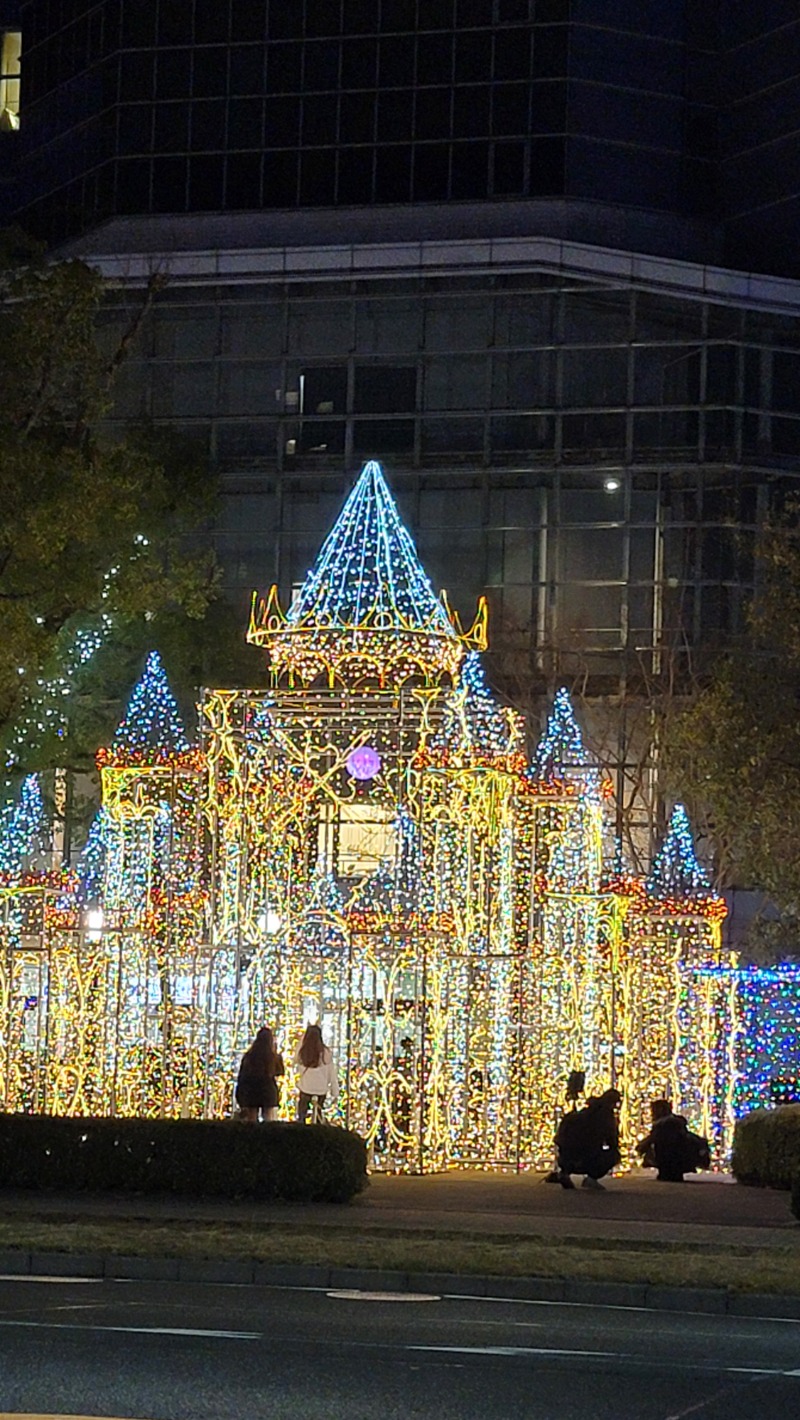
<point>180,1352</point>
<point>708,1208</point>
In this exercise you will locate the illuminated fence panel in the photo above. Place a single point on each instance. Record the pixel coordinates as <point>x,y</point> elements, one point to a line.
<point>768,1053</point>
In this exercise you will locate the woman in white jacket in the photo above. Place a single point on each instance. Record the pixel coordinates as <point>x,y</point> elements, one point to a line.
<point>317,1071</point>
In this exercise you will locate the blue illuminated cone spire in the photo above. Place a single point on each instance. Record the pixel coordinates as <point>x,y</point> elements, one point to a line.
<point>561,747</point>
<point>367,571</point>
<point>366,610</point>
<point>473,720</point>
<point>152,721</point>
<point>91,865</point>
<point>676,871</point>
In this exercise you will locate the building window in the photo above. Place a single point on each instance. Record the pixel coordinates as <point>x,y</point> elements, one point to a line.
<point>10,55</point>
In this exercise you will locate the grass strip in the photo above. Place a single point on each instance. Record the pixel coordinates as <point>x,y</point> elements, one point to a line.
<point>770,1269</point>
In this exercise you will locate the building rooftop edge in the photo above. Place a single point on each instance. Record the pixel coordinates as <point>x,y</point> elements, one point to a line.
<point>124,263</point>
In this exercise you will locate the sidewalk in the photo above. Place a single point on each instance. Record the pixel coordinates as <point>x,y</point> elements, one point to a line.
<point>706,1209</point>
<point>708,1245</point>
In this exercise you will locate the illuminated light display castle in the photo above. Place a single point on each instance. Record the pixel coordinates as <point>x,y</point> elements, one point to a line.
<point>364,843</point>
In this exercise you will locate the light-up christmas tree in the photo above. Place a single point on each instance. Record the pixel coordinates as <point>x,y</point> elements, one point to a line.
<point>24,828</point>
<point>152,723</point>
<point>677,872</point>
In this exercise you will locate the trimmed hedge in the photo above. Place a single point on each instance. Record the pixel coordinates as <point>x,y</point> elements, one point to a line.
<point>795,1200</point>
<point>766,1146</point>
<point>298,1163</point>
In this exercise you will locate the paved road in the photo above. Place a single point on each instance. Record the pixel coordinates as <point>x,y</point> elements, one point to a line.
<point>157,1351</point>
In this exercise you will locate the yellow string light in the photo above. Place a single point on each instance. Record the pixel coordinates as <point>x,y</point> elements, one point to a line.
<point>365,844</point>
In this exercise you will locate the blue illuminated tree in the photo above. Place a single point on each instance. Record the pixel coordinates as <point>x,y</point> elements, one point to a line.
<point>486,726</point>
<point>23,828</point>
<point>152,720</point>
<point>676,871</point>
<point>472,714</point>
<point>561,746</point>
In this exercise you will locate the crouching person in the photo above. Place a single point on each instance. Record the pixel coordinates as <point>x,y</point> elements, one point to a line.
<point>671,1147</point>
<point>588,1141</point>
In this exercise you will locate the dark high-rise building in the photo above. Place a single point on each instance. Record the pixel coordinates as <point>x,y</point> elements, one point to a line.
<point>540,256</point>
<point>671,127</point>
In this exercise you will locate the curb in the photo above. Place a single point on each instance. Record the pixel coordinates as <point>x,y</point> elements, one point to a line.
<point>706,1300</point>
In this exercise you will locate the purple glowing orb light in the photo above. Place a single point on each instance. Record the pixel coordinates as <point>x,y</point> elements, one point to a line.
<point>363,762</point>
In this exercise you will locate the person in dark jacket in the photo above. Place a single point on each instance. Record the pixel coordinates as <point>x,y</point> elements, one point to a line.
<point>257,1084</point>
<point>588,1141</point>
<point>670,1145</point>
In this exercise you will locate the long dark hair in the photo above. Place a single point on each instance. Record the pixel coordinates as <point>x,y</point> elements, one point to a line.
<point>262,1053</point>
<point>312,1048</point>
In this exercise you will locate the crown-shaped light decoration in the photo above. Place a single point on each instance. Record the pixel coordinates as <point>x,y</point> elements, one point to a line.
<point>676,873</point>
<point>152,728</point>
<point>23,828</point>
<point>561,757</point>
<point>366,611</point>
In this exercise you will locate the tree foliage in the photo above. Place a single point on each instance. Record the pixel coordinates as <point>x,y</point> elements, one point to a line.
<point>89,526</point>
<point>733,752</point>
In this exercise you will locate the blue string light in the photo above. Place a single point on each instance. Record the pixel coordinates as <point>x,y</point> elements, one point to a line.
<point>45,710</point>
<point>676,871</point>
<point>484,721</point>
<point>152,720</point>
<point>23,827</point>
<point>91,865</point>
<point>769,1039</point>
<point>560,752</point>
<point>368,571</point>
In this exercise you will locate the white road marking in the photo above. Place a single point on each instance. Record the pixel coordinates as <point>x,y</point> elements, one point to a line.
<point>138,1330</point>
<point>654,1312</point>
<point>514,1351</point>
<point>357,1296</point>
<point>63,1281</point>
<point>602,1355</point>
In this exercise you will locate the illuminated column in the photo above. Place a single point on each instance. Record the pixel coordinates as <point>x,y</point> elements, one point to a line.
<point>25,891</point>
<point>472,766</point>
<point>362,665</point>
<point>571,975</point>
<point>153,904</point>
<point>693,1063</point>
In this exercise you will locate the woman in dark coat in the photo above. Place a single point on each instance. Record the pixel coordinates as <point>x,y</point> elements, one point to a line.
<point>257,1084</point>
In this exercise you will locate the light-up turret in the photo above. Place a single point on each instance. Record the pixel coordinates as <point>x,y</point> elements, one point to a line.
<point>565,815</point>
<point>679,941</point>
<point>367,613</point>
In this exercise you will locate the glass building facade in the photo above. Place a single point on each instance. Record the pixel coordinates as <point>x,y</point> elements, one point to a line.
<point>505,246</point>
<point>592,451</point>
